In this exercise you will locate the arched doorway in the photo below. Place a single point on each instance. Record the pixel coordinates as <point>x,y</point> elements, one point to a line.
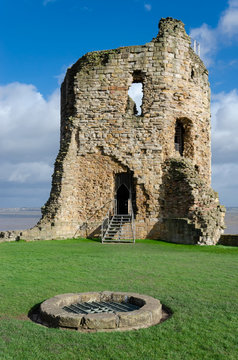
<point>122,197</point>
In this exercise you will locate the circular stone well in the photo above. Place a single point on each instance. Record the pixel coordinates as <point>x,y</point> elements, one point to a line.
<point>101,311</point>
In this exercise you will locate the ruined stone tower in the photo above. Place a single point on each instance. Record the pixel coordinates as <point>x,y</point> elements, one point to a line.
<point>156,163</point>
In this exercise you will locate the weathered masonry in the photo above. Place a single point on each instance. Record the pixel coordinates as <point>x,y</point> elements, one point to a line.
<point>152,166</point>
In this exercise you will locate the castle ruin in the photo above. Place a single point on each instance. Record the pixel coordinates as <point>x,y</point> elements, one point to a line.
<point>154,166</point>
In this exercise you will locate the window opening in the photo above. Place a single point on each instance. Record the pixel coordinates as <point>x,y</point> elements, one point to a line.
<point>179,137</point>
<point>136,94</point>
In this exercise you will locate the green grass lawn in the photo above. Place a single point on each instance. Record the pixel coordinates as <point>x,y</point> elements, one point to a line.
<point>199,284</point>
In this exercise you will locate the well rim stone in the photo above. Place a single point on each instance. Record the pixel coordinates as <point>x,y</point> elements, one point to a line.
<point>149,313</point>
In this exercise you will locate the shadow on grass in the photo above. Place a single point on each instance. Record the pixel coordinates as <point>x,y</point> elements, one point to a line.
<point>96,239</point>
<point>166,313</point>
<point>34,315</point>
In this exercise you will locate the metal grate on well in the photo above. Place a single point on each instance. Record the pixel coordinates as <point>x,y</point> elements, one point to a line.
<point>100,307</point>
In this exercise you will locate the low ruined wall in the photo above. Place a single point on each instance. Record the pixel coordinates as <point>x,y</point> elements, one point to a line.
<point>192,212</point>
<point>11,235</point>
<point>181,231</point>
<point>228,240</point>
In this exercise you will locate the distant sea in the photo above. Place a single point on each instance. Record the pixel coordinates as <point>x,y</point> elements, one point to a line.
<point>18,218</point>
<point>25,218</point>
<point>231,220</point>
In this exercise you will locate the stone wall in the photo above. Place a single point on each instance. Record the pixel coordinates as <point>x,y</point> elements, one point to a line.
<point>101,136</point>
<point>228,240</point>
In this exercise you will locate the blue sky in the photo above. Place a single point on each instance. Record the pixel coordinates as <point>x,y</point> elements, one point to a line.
<point>41,38</point>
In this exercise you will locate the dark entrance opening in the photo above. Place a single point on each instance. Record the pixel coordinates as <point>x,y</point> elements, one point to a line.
<point>125,193</point>
<point>122,197</point>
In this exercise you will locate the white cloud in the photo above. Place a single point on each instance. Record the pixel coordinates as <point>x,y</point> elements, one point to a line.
<point>211,39</point>
<point>29,136</point>
<point>29,123</point>
<point>228,23</point>
<point>136,93</point>
<point>224,110</point>
<point>207,38</point>
<point>29,172</point>
<point>233,62</point>
<point>224,180</point>
<point>148,7</point>
<point>224,106</point>
<point>45,2</point>
<point>225,176</point>
<point>86,8</point>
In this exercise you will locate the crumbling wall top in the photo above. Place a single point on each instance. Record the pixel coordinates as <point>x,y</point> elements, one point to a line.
<point>172,27</point>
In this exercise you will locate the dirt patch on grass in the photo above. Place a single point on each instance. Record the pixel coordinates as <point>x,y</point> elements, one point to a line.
<point>22,317</point>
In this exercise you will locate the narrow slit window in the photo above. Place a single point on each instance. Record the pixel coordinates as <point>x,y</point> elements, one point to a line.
<point>135,92</point>
<point>179,137</point>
